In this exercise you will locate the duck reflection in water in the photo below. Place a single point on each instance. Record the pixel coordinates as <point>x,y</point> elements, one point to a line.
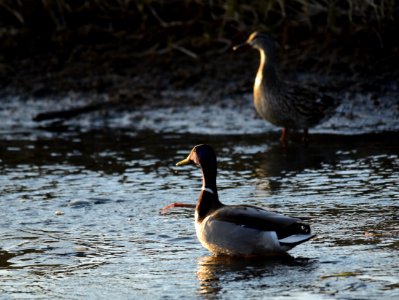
<point>279,162</point>
<point>216,273</point>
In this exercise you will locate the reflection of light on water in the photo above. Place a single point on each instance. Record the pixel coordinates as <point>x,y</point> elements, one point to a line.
<point>265,187</point>
<point>207,276</point>
<point>214,273</point>
<point>61,253</point>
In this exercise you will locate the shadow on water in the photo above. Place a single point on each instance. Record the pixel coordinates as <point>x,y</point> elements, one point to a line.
<point>276,159</point>
<point>5,256</point>
<point>272,163</point>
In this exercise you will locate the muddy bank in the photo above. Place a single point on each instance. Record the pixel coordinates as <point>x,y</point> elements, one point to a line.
<point>106,62</point>
<point>134,51</point>
<point>104,71</point>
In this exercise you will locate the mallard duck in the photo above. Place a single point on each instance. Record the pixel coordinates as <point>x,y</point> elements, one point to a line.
<point>282,103</point>
<point>239,230</point>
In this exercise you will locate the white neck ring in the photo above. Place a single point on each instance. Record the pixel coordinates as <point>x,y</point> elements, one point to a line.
<point>208,190</point>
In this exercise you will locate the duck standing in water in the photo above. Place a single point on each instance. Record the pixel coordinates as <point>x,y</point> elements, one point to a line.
<point>281,103</point>
<point>239,230</point>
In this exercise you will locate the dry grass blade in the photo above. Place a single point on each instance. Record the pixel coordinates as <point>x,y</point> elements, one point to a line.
<point>14,11</point>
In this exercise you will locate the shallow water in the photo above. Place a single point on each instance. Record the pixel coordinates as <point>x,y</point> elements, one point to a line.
<point>81,204</point>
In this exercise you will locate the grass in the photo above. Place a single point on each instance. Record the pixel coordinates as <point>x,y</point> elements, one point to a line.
<point>325,36</point>
<point>201,25</point>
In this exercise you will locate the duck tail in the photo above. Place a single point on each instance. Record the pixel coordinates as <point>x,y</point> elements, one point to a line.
<point>295,234</point>
<point>295,239</point>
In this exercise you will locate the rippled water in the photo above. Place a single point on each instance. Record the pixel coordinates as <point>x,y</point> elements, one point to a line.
<point>80,210</point>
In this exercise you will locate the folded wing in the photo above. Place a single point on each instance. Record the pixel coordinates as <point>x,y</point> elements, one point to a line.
<point>263,220</point>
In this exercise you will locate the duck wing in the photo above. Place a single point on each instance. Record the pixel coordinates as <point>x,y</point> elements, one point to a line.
<point>260,219</point>
<point>311,104</point>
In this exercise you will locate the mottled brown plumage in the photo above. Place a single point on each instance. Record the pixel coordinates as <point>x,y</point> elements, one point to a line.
<point>282,103</point>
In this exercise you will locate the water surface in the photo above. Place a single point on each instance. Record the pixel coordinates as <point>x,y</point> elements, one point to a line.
<point>80,208</point>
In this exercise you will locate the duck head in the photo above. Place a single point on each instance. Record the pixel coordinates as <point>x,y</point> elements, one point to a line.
<point>204,157</point>
<point>260,41</point>
<point>201,155</point>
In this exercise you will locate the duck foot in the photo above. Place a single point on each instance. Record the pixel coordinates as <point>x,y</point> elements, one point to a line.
<point>167,208</point>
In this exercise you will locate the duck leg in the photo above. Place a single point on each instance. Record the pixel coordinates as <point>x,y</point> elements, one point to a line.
<point>283,138</point>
